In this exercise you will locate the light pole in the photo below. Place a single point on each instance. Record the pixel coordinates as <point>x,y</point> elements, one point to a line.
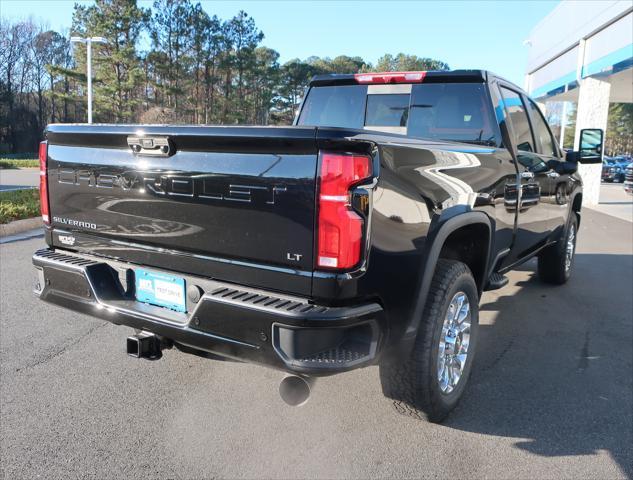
<point>89,41</point>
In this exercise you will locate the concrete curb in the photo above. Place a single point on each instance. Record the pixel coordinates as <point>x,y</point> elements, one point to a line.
<point>19,226</point>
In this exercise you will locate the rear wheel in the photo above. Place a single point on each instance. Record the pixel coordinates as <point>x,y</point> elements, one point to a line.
<point>432,380</point>
<point>556,261</point>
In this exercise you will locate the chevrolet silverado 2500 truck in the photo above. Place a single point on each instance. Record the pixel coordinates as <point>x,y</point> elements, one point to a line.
<point>362,235</point>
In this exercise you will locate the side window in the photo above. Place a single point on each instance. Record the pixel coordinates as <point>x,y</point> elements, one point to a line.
<point>458,112</point>
<point>519,120</point>
<point>543,137</point>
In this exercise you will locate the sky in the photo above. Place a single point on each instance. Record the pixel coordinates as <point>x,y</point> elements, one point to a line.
<point>465,34</point>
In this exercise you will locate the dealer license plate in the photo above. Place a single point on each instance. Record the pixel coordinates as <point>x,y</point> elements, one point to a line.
<point>160,289</point>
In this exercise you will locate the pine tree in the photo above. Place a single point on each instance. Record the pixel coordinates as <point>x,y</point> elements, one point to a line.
<point>407,63</point>
<point>117,67</point>
<point>198,69</point>
<point>171,31</point>
<point>246,38</point>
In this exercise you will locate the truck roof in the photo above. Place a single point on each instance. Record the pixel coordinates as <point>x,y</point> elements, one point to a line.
<point>429,76</point>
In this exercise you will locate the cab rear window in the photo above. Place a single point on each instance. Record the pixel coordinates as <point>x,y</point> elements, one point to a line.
<point>335,106</point>
<point>387,110</point>
<point>444,111</point>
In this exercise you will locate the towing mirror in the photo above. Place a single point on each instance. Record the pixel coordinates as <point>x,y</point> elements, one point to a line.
<point>591,143</point>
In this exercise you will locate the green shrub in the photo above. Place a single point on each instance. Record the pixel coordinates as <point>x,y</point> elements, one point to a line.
<point>19,204</point>
<point>6,163</point>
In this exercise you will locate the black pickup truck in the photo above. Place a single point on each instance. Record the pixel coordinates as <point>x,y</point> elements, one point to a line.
<point>362,235</point>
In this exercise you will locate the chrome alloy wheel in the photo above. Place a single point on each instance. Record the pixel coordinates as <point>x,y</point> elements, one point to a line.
<point>569,248</point>
<point>454,340</point>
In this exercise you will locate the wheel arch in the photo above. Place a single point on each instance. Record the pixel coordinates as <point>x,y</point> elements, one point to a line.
<point>449,231</point>
<point>470,244</point>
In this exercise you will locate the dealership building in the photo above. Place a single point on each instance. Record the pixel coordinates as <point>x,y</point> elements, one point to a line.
<point>580,60</point>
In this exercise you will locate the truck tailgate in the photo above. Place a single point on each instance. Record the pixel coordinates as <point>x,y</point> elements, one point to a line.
<point>219,196</point>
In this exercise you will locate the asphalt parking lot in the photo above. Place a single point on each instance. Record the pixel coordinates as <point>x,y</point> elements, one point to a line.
<point>550,395</point>
<point>615,201</point>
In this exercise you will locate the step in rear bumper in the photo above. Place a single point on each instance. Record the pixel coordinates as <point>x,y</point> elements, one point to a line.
<point>236,322</point>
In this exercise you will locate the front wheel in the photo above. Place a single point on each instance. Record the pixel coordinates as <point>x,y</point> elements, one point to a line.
<point>556,261</point>
<point>432,380</point>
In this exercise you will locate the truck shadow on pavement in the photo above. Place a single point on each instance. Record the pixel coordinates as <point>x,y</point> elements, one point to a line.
<point>554,368</point>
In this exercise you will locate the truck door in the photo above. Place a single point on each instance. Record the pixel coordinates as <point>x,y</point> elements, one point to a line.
<point>529,195</point>
<point>557,197</point>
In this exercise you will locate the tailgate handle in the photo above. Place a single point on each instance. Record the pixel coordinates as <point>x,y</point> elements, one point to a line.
<point>150,145</point>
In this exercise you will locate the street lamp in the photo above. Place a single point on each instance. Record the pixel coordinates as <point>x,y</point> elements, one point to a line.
<point>89,41</point>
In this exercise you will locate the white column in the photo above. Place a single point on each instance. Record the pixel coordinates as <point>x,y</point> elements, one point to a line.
<point>563,121</point>
<point>592,112</point>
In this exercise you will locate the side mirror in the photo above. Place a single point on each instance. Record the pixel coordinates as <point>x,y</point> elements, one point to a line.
<point>591,143</point>
<point>572,156</point>
<point>564,168</point>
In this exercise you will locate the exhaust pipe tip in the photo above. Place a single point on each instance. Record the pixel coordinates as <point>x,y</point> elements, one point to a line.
<point>295,390</point>
<point>144,345</point>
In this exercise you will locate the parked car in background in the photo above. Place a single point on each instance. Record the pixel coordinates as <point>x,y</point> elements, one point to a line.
<point>628,179</point>
<point>613,168</point>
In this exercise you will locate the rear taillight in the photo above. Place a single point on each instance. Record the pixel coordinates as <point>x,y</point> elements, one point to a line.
<point>340,228</point>
<point>43,154</point>
<point>390,77</point>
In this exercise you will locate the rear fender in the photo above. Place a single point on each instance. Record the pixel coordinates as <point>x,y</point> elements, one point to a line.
<point>435,241</point>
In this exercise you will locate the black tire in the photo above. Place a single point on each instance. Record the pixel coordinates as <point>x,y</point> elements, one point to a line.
<point>552,261</point>
<point>413,384</point>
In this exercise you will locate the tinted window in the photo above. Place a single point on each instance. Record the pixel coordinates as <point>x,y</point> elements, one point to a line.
<point>452,111</point>
<point>335,106</point>
<point>541,132</point>
<point>387,110</point>
<point>444,111</point>
<point>519,120</point>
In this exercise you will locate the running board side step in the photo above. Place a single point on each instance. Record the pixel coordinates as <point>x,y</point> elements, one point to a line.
<point>496,281</point>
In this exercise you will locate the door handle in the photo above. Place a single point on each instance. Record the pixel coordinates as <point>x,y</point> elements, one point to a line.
<point>527,175</point>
